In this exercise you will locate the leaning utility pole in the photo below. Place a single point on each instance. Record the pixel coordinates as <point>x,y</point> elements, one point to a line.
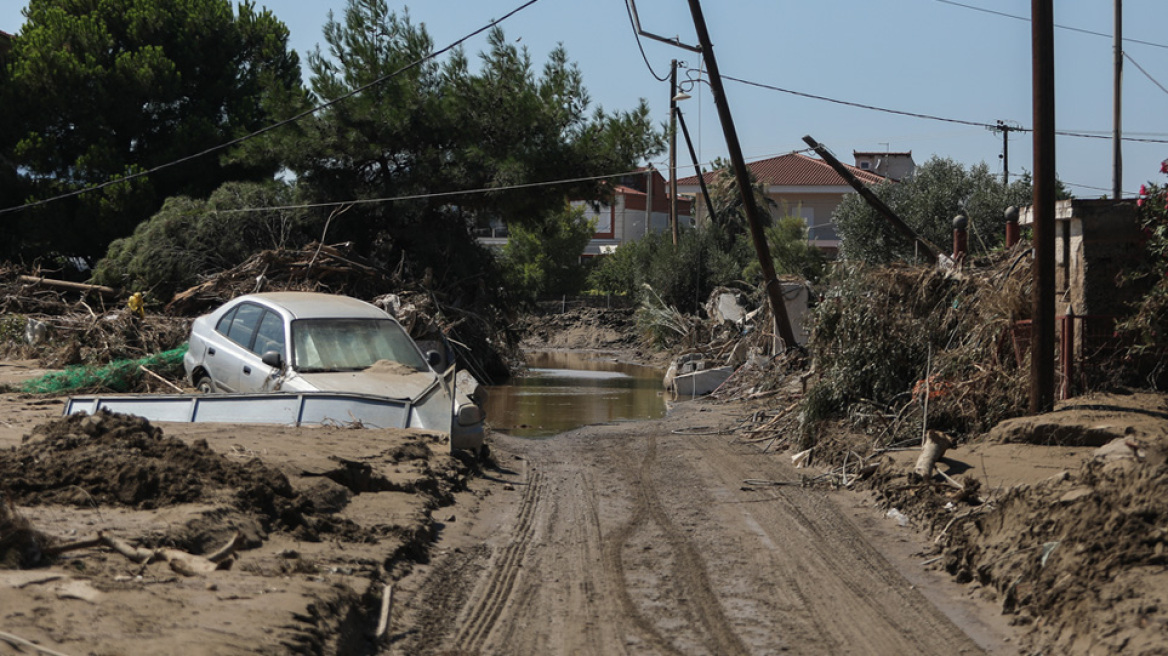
<point>924,246</point>
<point>693,157</point>
<point>1042,327</point>
<point>742,175</point>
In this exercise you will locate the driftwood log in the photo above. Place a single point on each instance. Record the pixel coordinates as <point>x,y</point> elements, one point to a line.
<point>67,285</point>
<point>180,561</point>
<point>934,448</point>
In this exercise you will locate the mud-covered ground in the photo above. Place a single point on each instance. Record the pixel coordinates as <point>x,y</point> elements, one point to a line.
<point>1066,534</point>
<point>323,519</point>
<point>689,535</point>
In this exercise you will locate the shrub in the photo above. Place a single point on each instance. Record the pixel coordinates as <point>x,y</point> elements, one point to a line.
<point>545,260</point>
<point>683,276</point>
<point>188,238</point>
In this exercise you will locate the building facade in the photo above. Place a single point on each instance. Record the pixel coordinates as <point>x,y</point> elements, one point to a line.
<point>799,185</point>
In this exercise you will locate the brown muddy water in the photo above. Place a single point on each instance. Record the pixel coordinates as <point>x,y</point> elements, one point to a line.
<point>561,391</point>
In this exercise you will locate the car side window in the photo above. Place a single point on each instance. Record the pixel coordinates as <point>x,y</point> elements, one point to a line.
<point>225,322</point>
<point>270,334</point>
<point>243,326</point>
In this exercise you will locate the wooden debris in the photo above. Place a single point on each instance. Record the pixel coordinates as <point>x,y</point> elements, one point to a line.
<point>108,292</point>
<point>936,444</point>
<point>386,611</point>
<point>180,561</point>
<point>316,267</point>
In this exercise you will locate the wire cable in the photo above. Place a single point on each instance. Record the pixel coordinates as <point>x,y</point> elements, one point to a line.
<point>1062,27</point>
<point>278,124</point>
<point>930,117</point>
<point>440,194</point>
<point>641,46</point>
<point>1146,74</point>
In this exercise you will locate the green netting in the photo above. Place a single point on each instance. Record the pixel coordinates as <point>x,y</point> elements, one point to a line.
<point>118,376</point>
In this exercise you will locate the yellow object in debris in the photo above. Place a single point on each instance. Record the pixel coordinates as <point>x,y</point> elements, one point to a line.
<point>137,304</point>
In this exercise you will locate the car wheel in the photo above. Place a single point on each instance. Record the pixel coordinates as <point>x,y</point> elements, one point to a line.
<point>205,385</point>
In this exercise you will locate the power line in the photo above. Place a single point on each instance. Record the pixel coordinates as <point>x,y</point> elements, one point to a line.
<point>641,46</point>
<point>848,103</point>
<point>441,194</point>
<point>1093,188</point>
<point>1146,74</point>
<point>1062,27</point>
<point>278,124</point>
<point>930,117</point>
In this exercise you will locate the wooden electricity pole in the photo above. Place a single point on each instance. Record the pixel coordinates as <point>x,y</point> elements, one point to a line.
<point>742,176</point>
<point>673,151</point>
<point>1042,326</point>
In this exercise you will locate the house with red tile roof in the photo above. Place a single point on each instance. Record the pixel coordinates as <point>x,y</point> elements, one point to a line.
<point>800,186</point>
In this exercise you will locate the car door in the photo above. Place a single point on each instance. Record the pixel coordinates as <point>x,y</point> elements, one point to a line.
<point>256,376</point>
<point>230,356</point>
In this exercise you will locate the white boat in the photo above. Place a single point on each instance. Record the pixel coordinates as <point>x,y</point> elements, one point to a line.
<point>692,375</point>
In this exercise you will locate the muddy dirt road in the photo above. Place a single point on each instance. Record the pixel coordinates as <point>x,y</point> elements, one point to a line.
<point>643,539</point>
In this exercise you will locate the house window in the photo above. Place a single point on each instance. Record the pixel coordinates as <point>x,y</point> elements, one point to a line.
<point>865,166</point>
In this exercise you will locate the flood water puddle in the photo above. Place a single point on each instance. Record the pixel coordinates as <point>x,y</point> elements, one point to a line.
<point>561,391</point>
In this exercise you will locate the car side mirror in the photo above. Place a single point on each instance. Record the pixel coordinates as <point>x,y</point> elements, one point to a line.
<point>433,358</point>
<point>273,359</point>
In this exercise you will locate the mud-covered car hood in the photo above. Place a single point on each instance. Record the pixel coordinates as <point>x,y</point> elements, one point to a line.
<point>397,382</point>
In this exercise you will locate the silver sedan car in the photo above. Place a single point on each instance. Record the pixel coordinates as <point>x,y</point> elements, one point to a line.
<point>312,342</point>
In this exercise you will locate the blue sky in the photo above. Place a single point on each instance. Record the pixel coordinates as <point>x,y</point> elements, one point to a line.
<point>930,57</point>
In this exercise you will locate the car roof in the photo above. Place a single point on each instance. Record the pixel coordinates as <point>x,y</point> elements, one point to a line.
<point>316,305</point>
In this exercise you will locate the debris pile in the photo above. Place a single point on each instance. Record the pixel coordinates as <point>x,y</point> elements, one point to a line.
<point>114,459</point>
<point>901,349</point>
<point>77,324</point>
<point>317,268</point>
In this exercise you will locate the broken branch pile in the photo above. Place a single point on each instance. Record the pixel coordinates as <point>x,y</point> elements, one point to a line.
<point>317,267</point>
<point>66,325</point>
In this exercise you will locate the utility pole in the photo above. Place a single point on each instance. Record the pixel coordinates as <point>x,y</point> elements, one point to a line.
<point>742,175</point>
<point>1042,326</point>
<point>693,156</point>
<point>648,201</point>
<point>930,252</point>
<point>1117,113</point>
<point>1005,129</point>
<point>673,151</point>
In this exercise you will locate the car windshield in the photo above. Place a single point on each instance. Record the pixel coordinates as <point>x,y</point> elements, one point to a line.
<point>351,344</point>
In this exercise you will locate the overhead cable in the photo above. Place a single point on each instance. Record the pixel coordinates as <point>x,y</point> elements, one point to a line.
<point>278,124</point>
<point>990,126</point>
<point>1146,74</point>
<point>1061,27</point>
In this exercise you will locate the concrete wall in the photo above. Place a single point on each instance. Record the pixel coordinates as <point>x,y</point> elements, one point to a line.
<point>1095,242</point>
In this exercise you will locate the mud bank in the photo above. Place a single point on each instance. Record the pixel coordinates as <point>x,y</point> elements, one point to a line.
<point>323,519</point>
<point>1067,532</point>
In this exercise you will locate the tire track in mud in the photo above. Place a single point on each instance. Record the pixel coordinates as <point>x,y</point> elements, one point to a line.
<point>504,571</point>
<point>561,572</point>
<point>850,594</point>
<point>689,571</point>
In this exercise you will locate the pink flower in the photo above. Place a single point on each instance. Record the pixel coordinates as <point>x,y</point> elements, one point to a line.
<point>1164,166</point>
<point>1143,190</point>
